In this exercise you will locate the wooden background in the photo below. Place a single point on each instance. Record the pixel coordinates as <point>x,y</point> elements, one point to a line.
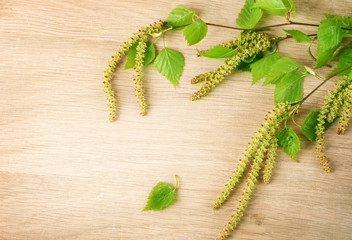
<point>67,173</point>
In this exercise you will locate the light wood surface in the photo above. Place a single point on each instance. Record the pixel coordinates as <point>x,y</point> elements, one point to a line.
<point>67,173</point>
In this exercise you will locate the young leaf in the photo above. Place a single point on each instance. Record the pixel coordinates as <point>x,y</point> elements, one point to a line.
<point>289,141</point>
<point>289,88</point>
<point>180,15</point>
<point>218,52</point>
<point>261,68</point>
<point>249,17</point>
<point>344,60</point>
<point>290,6</point>
<point>170,63</point>
<point>282,67</point>
<point>309,124</point>
<point>195,32</point>
<point>276,7</point>
<point>160,196</point>
<point>329,39</point>
<point>298,35</point>
<point>132,52</point>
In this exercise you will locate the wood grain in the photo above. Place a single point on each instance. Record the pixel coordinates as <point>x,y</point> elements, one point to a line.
<point>67,173</point>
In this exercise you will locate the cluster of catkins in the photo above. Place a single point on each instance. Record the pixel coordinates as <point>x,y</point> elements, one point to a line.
<point>338,103</point>
<point>246,45</point>
<point>262,147</point>
<point>140,37</point>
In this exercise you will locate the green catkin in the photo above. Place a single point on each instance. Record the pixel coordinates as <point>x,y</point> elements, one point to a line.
<point>329,104</point>
<point>335,106</point>
<point>345,110</point>
<point>230,44</point>
<point>270,121</point>
<point>270,160</point>
<point>137,79</point>
<point>320,130</point>
<point>205,76</point>
<point>200,78</point>
<point>115,59</point>
<point>246,195</point>
<point>272,125</point>
<point>249,44</point>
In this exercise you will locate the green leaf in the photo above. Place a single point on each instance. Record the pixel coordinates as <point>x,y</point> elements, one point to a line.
<point>170,63</point>
<point>195,32</point>
<point>160,196</point>
<point>289,141</point>
<point>282,67</point>
<point>132,52</point>
<point>276,7</point>
<point>262,67</point>
<point>309,124</point>
<point>289,88</point>
<point>180,15</point>
<point>344,60</point>
<point>345,21</point>
<point>290,6</point>
<point>249,17</point>
<point>329,39</point>
<point>218,52</point>
<point>298,35</point>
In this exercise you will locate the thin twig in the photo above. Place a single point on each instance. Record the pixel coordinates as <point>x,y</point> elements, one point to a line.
<point>304,24</point>
<point>310,52</point>
<point>321,84</point>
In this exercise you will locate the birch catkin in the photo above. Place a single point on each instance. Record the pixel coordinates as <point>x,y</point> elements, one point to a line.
<point>332,106</point>
<point>268,126</point>
<point>270,160</point>
<point>266,134</point>
<point>115,59</point>
<point>346,109</point>
<point>249,44</point>
<point>138,82</point>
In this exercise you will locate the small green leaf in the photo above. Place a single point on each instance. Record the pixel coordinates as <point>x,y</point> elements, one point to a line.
<point>179,16</point>
<point>298,35</point>
<point>249,17</point>
<point>289,88</point>
<point>290,6</point>
<point>160,196</point>
<point>282,67</point>
<point>308,126</point>
<point>195,32</point>
<point>170,63</point>
<point>132,52</point>
<point>218,52</point>
<point>329,39</point>
<point>276,7</point>
<point>262,67</point>
<point>344,60</point>
<point>289,141</point>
